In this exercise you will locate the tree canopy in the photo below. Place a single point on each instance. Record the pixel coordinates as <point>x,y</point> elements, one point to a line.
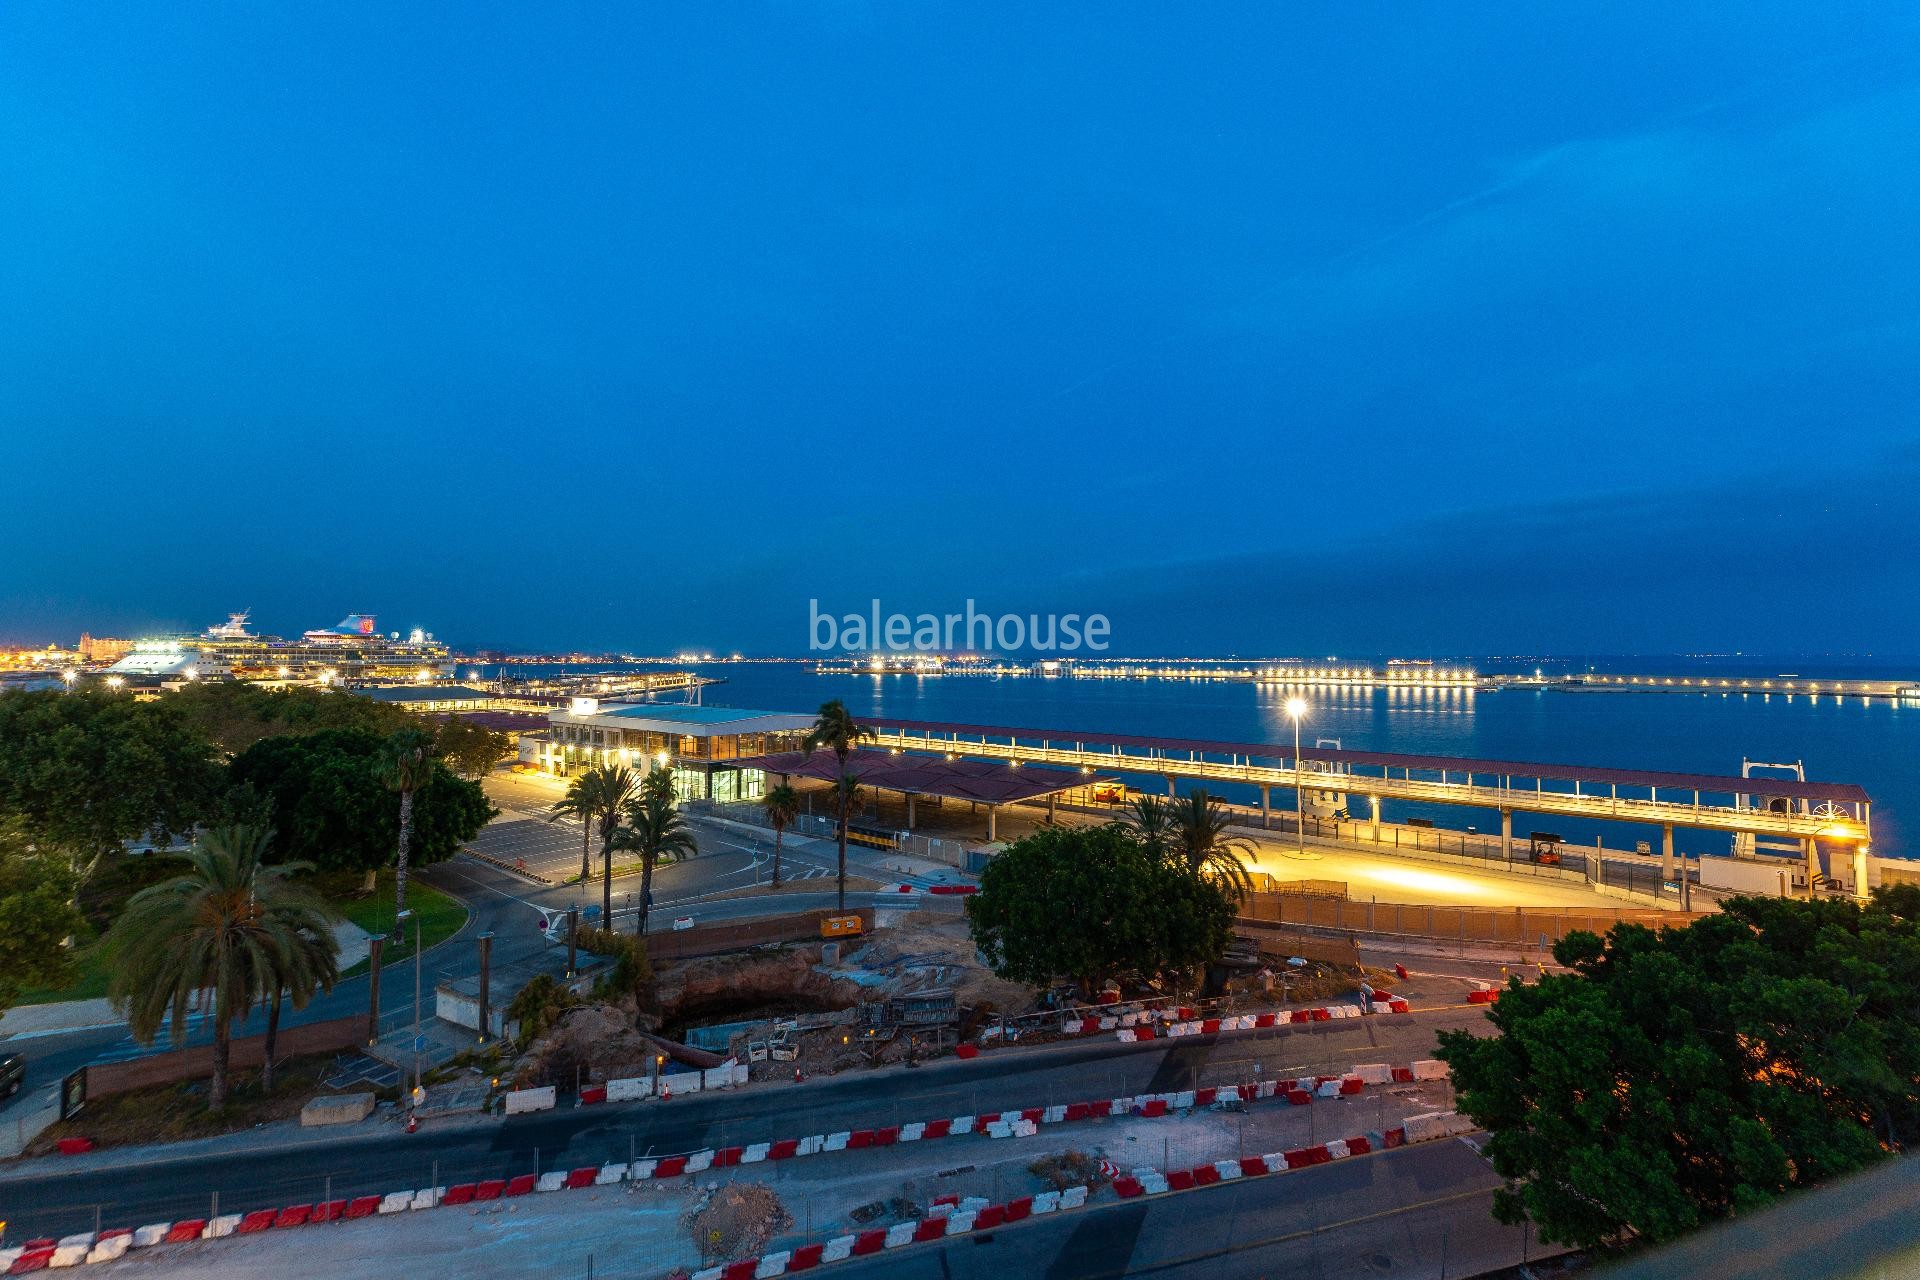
<point>235,714</point>
<point>89,770</point>
<point>470,749</point>
<point>37,914</point>
<point>1685,1075</point>
<point>330,805</point>
<point>1090,903</point>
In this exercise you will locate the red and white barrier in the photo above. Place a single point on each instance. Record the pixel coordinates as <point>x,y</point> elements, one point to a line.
<point>948,1216</point>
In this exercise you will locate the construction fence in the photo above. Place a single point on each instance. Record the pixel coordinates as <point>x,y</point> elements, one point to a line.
<point>801,926</point>
<point>247,1052</point>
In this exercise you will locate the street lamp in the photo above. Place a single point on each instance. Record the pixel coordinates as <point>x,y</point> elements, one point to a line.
<point>1297,707</point>
<point>69,675</point>
<point>114,682</point>
<point>400,931</point>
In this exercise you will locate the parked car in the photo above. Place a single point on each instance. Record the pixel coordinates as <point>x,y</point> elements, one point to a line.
<point>13,1073</point>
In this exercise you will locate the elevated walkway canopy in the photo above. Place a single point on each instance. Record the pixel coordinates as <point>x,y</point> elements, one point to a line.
<point>989,782</point>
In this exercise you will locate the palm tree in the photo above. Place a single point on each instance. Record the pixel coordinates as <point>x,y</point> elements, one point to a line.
<point>654,829</point>
<point>598,797</point>
<point>406,764</point>
<point>311,964</point>
<point>580,803</point>
<point>783,806</point>
<point>835,729</point>
<point>225,930</point>
<point>1150,819</point>
<point>1199,828</point>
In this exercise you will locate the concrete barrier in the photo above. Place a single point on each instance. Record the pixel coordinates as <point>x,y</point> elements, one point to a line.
<point>522,1101</point>
<point>340,1108</point>
<point>1429,1069</point>
<point>631,1090</point>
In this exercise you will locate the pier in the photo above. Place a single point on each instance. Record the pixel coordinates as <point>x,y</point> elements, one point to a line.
<point>1773,809</point>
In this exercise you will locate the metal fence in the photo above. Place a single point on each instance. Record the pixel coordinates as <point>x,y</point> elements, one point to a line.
<point>1520,926</point>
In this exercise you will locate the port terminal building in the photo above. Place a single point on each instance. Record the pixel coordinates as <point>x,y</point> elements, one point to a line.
<point>726,755</point>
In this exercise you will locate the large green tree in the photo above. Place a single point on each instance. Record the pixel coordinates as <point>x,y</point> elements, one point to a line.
<point>235,714</point>
<point>37,915</point>
<point>330,804</point>
<point>87,771</point>
<point>1678,1076</point>
<point>1088,903</point>
<point>470,749</point>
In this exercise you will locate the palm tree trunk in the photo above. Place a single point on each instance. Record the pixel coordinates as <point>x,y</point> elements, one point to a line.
<point>586,843</point>
<point>400,863</point>
<point>843,855</point>
<point>606,886</point>
<point>778,834</point>
<point>222,1045</point>
<point>646,893</point>
<point>271,1043</point>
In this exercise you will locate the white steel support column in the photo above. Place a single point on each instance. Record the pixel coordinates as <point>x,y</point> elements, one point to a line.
<point>1666,851</point>
<point>1375,802</point>
<point>1266,805</point>
<point>1860,871</point>
<point>1506,834</point>
<point>993,811</point>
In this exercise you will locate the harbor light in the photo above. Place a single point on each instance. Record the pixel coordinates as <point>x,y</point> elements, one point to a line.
<point>1297,707</point>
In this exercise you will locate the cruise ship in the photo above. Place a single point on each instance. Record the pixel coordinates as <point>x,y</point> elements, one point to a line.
<point>353,650</point>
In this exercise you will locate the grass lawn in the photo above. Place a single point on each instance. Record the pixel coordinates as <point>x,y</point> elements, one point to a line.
<point>89,978</point>
<point>441,915</point>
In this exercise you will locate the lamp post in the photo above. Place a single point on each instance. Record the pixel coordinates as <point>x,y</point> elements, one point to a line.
<point>400,926</point>
<point>1297,707</point>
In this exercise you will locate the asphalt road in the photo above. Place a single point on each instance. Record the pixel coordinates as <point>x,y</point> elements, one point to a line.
<point>1419,1211</point>
<point>56,1195</point>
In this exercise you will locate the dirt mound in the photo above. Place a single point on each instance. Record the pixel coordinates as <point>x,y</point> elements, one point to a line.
<point>934,949</point>
<point>594,1043</point>
<point>736,1220</point>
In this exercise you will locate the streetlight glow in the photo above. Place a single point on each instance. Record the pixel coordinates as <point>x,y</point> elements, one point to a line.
<point>1297,707</point>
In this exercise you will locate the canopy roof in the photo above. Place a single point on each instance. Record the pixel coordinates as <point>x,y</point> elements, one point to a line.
<point>985,781</point>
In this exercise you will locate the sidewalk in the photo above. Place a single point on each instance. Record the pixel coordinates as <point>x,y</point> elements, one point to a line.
<point>30,1020</point>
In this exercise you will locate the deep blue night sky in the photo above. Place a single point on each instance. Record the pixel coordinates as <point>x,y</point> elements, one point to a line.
<point>1274,329</point>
